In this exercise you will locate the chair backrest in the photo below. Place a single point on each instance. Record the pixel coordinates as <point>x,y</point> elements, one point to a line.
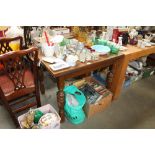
<point>27,36</point>
<point>5,44</point>
<point>16,63</point>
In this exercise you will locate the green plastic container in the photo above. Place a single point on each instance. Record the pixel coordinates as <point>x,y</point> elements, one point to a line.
<point>74,114</point>
<point>148,72</point>
<point>64,42</point>
<point>114,50</point>
<point>98,41</point>
<point>38,114</point>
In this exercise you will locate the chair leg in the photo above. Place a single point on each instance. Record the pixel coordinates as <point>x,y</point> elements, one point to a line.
<point>41,80</point>
<point>37,93</point>
<point>38,100</point>
<point>1,102</point>
<point>6,104</point>
<point>8,108</point>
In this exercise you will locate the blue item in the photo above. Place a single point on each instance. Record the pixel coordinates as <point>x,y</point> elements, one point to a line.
<point>127,83</point>
<point>99,78</point>
<point>74,114</point>
<point>101,49</point>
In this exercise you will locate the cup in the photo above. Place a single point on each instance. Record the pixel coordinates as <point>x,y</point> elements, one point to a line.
<point>139,43</point>
<point>48,51</point>
<point>71,60</point>
<point>142,44</point>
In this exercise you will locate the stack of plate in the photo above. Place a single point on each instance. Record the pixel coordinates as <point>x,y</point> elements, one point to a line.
<point>101,49</point>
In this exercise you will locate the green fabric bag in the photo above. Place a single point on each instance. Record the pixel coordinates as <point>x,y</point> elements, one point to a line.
<point>74,114</point>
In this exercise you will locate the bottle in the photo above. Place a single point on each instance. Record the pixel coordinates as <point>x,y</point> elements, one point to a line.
<point>120,40</point>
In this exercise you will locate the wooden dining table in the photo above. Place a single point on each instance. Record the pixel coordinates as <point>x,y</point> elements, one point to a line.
<point>83,69</point>
<point>132,53</point>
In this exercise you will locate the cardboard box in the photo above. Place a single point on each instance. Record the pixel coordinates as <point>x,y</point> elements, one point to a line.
<point>102,104</point>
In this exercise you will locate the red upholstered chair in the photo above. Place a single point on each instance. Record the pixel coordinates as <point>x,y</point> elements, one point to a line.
<point>19,81</point>
<point>28,43</point>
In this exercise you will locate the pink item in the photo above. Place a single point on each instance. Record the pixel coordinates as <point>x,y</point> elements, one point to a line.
<point>48,43</point>
<point>8,87</point>
<point>115,35</point>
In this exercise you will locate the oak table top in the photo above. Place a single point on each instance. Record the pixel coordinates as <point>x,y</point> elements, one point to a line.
<point>132,53</point>
<point>81,66</point>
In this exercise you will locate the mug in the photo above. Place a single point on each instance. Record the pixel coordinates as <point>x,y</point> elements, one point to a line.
<point>47,50</point>
<point>139,43</point>
<point>71,60</point>
<point>142,44</point>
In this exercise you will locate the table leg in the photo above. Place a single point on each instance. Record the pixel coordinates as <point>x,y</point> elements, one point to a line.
<point>61,98</point>
<point>119,70</point>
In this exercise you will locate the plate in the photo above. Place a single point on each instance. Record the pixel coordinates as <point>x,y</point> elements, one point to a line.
<point>101,49</point>
<point>57,39</point>
<point>148,44</point>
<point>122,48</point>
<point>52,59</point>
<point>59,65</point>
<point>153,44</point>
<point>48,59</point>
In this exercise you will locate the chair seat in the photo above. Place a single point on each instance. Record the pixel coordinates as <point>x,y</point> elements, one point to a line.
<point>8,87</point>
<point>1,67</point>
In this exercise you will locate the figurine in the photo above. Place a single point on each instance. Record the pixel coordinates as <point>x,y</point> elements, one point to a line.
<point>88,55</point>
<point>28,120</point>
<point>133,37</point>
<point>82,57</point>
<point>71,59</point>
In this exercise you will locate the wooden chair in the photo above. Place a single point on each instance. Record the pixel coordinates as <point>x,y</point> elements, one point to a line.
<point>28,43</point>
<point>5,44</point>
<point>19,81</point>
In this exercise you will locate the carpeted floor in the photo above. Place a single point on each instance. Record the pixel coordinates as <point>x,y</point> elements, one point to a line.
<point>135,108</point>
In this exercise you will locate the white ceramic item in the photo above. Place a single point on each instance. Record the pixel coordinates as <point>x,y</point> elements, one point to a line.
<point>120,41</point>
<point>48,51</point>
<point>59,65</point>
<point>57,39</point>
<point>71,60</point>
<point>48,59</point>
<point>139,43</point>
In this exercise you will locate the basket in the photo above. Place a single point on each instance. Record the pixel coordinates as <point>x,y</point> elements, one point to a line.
<point>45,109</point>
<point>74,114</point>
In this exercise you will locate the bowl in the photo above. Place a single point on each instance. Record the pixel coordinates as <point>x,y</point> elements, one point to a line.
<point>101,49</point>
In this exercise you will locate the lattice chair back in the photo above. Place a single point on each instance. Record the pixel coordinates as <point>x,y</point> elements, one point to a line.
<point>5,44</point>
<point>18,67</point>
